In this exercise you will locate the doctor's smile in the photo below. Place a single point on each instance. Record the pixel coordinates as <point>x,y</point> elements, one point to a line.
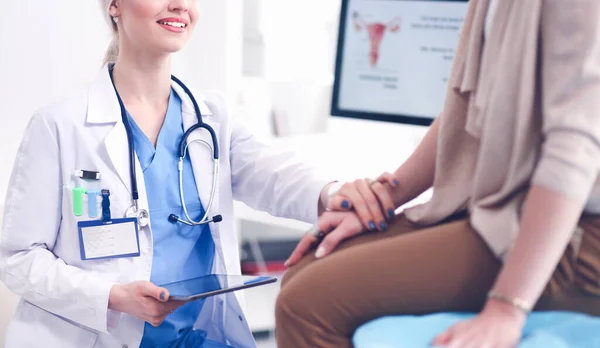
<point>177,25</point>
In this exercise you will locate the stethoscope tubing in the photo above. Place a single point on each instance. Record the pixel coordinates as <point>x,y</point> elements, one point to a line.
<point>182,153</point>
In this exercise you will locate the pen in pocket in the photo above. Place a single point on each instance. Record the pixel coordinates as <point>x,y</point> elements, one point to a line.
<point>78,193</point>
<point>93,203</point>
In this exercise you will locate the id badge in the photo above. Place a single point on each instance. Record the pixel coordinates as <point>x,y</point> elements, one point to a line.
<point>105,240</point>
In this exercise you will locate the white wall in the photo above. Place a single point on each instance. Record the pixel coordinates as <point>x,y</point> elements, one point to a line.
<point>46,51</point>
<point>213,58</point>
<point>289,51</point>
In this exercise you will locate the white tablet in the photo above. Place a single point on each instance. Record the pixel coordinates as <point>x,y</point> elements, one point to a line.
<point>213,284</point>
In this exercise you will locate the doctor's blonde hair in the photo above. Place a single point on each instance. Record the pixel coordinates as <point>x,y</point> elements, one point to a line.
<point>113,49</point>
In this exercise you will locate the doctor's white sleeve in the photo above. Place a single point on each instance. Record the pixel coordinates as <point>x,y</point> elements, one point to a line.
<point>32,218</point>
<point>272,180</point>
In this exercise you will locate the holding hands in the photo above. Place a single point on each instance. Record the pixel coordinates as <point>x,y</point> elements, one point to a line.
<point>339,225</point>
<point>354,207</point>
<point>371,200</point>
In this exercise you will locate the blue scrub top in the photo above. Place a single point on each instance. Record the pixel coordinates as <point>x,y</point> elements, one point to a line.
<point>180,251</point>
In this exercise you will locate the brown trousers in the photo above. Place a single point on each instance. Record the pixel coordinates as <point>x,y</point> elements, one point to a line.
<point>447,267</point>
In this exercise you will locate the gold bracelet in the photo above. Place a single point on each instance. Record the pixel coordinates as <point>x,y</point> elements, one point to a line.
<point>514,301</point>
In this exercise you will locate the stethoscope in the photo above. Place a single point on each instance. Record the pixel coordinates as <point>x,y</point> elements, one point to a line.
<point>142,214</point>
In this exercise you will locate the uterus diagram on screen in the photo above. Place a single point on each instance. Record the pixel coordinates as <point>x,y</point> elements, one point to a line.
<point>376,31</point>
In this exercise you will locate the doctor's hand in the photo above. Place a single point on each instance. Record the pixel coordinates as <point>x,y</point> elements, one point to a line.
<point>143,300</point>
<point>372,200</point>
<point>335,226</point>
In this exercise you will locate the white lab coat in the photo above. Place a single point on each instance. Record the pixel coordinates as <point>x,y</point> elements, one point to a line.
<point>64,299</point>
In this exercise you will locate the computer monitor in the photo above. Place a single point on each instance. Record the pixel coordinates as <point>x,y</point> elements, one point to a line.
<point>394,57</point>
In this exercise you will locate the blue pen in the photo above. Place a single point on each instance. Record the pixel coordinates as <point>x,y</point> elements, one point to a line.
<point>105,205</point>
<point>93,203</point>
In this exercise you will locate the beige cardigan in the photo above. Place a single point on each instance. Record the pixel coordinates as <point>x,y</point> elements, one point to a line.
<point>522,109</point>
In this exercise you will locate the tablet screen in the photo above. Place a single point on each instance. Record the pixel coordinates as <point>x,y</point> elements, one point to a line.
<point>212,283</point>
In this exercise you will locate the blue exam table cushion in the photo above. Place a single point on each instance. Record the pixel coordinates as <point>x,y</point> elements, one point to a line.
<point>542,330</point>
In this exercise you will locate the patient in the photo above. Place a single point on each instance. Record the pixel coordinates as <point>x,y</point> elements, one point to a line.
<point>514,220</point>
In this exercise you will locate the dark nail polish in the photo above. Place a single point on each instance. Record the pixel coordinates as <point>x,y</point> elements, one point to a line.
<point>372,225</point>
<point>396,182</point>
<point>392,214</point>
<point>345,204</point>
<point>162,296</point>
<point>383,226</point>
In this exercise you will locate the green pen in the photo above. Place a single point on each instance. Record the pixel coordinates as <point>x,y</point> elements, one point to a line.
<point>78,193</point>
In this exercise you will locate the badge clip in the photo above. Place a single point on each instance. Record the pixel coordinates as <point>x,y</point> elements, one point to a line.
<point>105,206</point>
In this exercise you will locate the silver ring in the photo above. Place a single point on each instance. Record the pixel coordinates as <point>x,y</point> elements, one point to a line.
<point>316,232</point>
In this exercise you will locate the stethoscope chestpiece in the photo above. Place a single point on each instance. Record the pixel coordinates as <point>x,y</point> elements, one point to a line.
<point>143,217</point>
<point>140,214</point>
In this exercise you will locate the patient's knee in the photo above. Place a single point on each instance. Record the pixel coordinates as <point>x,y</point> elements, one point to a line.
<point>288,299</point>
<point>293,271</point>
<point>287,276</point>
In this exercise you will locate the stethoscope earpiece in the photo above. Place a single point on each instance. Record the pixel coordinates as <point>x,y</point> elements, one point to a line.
<point>174,219</point>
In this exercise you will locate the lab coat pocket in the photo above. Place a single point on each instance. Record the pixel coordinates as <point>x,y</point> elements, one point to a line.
<point>32,327</point>
<point>68,236</point>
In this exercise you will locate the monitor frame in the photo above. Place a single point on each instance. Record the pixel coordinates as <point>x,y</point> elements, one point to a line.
<point>336,111</point>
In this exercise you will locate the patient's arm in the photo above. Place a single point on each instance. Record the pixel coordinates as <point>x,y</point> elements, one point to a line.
<point>549,219</point>
<point>417,172</point>
<point>565,174</point>
<point>568,166</point>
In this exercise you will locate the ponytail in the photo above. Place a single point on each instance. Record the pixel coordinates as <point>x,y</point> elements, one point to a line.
<point>113,50</point>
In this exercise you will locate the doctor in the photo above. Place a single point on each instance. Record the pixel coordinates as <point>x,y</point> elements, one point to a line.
<point>104,164</point>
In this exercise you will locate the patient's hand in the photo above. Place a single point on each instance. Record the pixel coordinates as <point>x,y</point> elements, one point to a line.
<point>498,325</point>
<point>372,200</point>
<point>337,227</point>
